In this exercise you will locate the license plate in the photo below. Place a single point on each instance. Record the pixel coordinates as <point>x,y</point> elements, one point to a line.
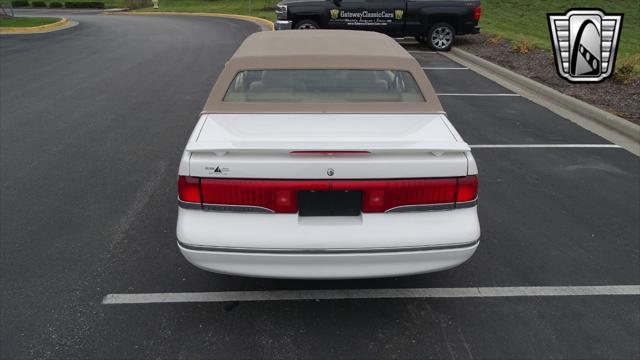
<point>329,203</point>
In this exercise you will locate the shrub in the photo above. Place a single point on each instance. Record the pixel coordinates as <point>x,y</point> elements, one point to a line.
<point>55,5</point>
<point>493,40</point>
<point>38,4</point>
<point>623,71</point>
<point>521,46</point>
<point>84,5</point>
<point>19,3</point>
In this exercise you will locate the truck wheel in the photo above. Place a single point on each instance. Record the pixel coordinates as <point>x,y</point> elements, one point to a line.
<point>307,25</point>
<point>440,37</point>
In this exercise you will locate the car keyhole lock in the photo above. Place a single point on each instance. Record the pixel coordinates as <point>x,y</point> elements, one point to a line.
<point>330,172</point>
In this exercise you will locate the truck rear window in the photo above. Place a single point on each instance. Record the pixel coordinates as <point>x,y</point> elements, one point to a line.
<point>323,86</point>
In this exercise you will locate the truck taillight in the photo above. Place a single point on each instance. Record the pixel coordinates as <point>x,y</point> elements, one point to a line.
<point>280,196</point>
<point>476,13</point>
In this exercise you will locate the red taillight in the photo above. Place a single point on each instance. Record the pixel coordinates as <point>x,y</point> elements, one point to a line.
<point>476,13</point>
<point>329,152</point>
<point>382,195</point>
<point>280,196</point>
<point>277,195</point>
<point>467,188</point>
<point>189,189</point>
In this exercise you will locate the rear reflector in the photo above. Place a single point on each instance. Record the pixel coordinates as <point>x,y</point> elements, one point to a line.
<point>280,196</point>
<point>477,12</point>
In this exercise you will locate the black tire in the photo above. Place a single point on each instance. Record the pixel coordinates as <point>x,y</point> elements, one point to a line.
<point>307,25</point>
<point>440,37</point>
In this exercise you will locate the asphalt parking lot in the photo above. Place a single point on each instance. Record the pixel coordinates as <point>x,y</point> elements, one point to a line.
<point>93,122</point>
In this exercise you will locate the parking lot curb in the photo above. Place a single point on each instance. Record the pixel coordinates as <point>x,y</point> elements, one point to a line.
<point>62,23</point>
<point>614,128</point>
<point>264,24</point>
<point>116,10</point>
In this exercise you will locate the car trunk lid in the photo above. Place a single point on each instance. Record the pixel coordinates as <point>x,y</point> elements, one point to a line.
<point>321,146</point>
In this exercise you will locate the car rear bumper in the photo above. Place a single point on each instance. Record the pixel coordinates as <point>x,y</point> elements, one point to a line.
<point>309,265</point>
<point>289,246</point>
<point>283,25</point>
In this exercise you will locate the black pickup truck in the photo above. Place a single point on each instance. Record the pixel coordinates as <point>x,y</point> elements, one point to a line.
<point>434,22</point>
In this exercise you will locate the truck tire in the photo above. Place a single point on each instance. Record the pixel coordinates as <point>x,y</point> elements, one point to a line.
<point>307,25</point>
<point>440,37</point>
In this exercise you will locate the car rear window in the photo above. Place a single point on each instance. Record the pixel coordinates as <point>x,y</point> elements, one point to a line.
<point>323,86</point>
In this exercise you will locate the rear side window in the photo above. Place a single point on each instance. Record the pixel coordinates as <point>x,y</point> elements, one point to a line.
<point>323,86</point>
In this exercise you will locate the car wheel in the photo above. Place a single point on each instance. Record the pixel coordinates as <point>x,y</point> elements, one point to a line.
<point>440,37</point>
<point>422,38</point>
<point>307,25</point>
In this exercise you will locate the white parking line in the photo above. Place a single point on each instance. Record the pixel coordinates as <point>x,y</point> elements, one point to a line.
<point>614,146</point>
<point>444,68</point>
<point>454,94</point>
<point>293,295</point>
<point>422,52</point>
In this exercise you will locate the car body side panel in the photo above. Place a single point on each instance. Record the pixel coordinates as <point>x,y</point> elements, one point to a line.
<point>421,14</point>
<point>418,14</point>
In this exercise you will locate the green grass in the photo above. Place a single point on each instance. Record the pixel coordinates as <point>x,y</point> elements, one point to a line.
<point>220,6</point>
<point>259,8</point>
<point>26,21</point>
<point>518,20</point>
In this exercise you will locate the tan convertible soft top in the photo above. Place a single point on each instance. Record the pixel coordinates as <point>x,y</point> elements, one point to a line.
<point>321,49</point>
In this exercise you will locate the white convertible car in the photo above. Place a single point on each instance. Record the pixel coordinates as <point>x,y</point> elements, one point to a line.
<point>325,154</point>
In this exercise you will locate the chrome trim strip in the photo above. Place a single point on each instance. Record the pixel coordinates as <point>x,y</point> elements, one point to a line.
<point>283,25</point>
<point>225,208</point>
<point>467,204</point>
<point>417,208</point>
<point>327,251</point>
<point>237,208</point>
<point>189,205</point>
<point>433,207</point>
